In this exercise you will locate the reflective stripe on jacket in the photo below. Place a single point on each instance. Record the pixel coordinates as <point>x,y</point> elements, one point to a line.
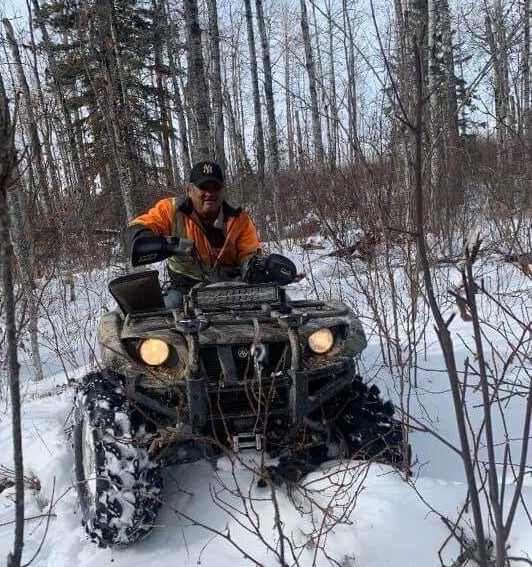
<point>169,217</point>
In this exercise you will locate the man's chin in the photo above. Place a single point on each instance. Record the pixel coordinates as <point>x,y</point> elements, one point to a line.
<point>210,208</point>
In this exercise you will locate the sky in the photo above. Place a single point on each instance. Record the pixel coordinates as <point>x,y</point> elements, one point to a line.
<point>374,516</point>
<point>13,8</point>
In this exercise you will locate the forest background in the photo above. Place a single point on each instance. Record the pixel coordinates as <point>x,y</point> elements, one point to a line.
<point>408,119</point>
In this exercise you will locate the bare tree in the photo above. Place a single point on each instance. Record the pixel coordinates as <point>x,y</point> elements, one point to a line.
<point>311,70</point>
<point>43,196</point>
<point>234,79</point>
<point>216,81</point>
<point>525,124</point>
<point>17,208</point>
<point>480,479</point>
<point>257,109</point>
<point>442,112</point>
<point>109,91</point>
<point>498,44</point>
<point>290,136</point>
<point>273,145</point>
<point>199,107</point>
<point>164,110</point>
<point>333,119</point>
<point>73,151</point>
<point>175,72</point>
<point>7,170</point>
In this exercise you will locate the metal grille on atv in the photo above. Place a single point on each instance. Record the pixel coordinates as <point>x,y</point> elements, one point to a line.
<point>237,404</point>
<point>240,361</point>
<point>213,298</point>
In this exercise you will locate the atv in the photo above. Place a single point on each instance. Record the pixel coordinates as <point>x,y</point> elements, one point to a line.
<point>238,366</point>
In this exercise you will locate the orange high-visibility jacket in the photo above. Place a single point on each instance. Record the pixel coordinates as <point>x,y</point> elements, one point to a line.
<point>170,217</point>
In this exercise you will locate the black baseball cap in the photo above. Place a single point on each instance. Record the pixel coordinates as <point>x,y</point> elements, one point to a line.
<point>204,171</point>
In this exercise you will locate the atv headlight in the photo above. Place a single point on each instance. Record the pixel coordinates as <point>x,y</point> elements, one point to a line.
<point>154,352</point>
<point>321,341</point>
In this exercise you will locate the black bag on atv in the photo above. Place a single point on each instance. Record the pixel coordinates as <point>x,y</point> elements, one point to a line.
<point>269,268</point>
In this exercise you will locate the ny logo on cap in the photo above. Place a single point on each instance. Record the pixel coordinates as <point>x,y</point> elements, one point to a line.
<point>207,169</point>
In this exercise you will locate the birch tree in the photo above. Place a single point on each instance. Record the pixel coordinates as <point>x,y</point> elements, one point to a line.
<point>273,145</point>
<point>496,34</point>
<point>18,207</point>
<point>7,169</point>
<point>216,82</point>
<point>442,132</point>
<point>525,122</point>
<point>311,71</point>
<point>257,110</point>
<point>333,119</point>
<point>354,148</point>
<point>236,119</point>
<point>290,136</point>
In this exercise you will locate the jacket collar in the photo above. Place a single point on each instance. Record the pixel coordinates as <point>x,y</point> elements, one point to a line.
<point>185,206</point>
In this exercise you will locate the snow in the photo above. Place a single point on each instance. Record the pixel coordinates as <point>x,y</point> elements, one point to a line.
<point>346,513</point>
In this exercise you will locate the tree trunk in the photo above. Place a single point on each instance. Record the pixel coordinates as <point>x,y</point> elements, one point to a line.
<point>434,110</point>
<point>242,164</point>
<point>30,123</point>
<point>159,31</point>
<point>354,148</point>
<point>300,148</point>
<point>496,35</point>
<point>272,122</point>
<point>334,121</point>
<point>311,71</point>
<point>259,132</point>
<point>290,141</point>
<point>73,150</point>
<point>237,120</point>
<point>197,85</point>
<point>110,102</point>
<point>7,169</point>
<point>525,123</point>
<point>175,72</point>
<point>216,81</point>
<point>17,211</point>
<point>453,201</point>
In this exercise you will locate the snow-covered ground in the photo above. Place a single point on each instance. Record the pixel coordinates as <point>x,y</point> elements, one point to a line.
<point>347,513</point>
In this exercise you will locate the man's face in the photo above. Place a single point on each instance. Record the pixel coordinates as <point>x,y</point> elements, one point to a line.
<point>206,199</point>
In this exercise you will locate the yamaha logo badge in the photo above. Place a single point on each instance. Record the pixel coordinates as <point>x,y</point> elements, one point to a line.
<point>242,352</point>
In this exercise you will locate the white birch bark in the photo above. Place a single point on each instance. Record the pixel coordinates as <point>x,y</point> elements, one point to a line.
<point>7,168</point>
<point>311,71</point>
<point>273,146</point>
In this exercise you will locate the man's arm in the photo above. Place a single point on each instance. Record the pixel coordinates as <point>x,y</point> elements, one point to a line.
<point>158,220</point>
<point>132,231</point>
<point>247,242</point>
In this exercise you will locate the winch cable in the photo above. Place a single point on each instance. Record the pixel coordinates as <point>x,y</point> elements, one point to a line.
<point>258,351</point>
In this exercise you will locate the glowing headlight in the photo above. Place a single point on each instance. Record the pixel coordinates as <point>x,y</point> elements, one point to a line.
<point>321,341</point>
<point>154,352</point>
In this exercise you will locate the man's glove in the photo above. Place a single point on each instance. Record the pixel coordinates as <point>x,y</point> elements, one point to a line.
<point>254,270</point>
<point>272,268</point>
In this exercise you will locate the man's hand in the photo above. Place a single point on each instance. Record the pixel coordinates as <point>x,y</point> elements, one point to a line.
<point>269,268</point>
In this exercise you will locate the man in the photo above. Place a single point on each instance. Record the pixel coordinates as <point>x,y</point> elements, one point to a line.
<point>224,237</point>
